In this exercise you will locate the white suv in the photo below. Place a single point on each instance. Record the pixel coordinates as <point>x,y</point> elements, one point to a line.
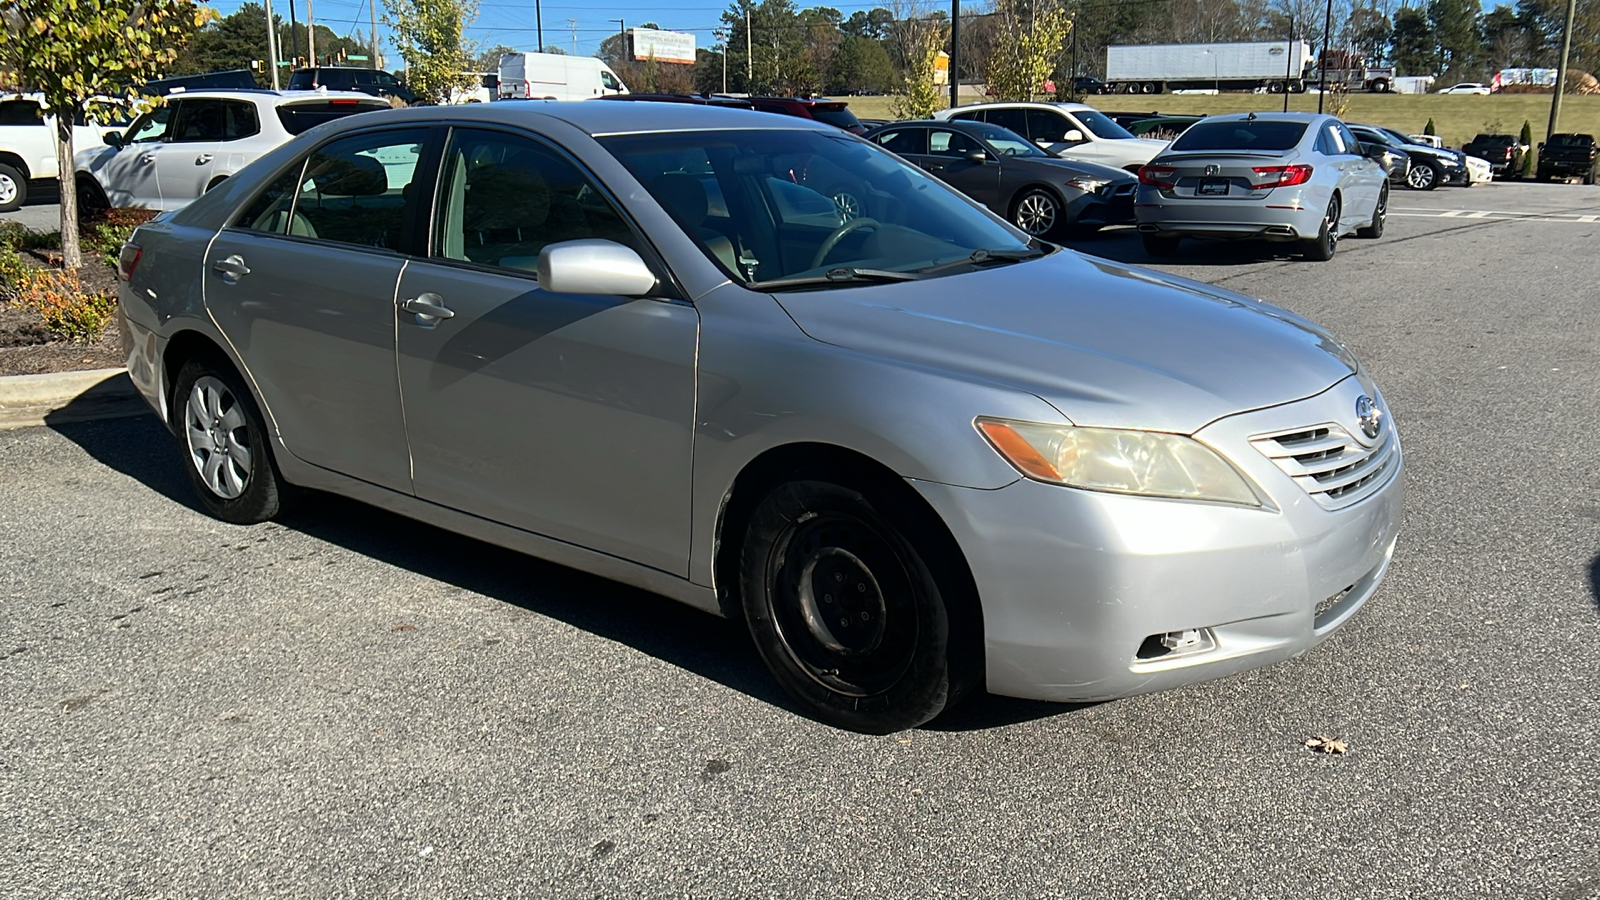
<point>28,145</point>
<point>183,148</point>
<point>1069,130</point>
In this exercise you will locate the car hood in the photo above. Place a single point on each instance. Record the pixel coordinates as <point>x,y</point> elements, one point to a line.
<point>1078,167</point>
<point>1106,344</point>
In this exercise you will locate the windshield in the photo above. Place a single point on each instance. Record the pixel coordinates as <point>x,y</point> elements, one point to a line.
<point>1100,125</point>
<point>1007,142</point>
<point>781,203</point>
<point>1241,134</point>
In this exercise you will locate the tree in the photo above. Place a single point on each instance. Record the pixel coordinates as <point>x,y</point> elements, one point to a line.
<point>239,41</point>
<point>917,41</point>
<point>489,60</point>
<point>1455,30</point>
<point>1030,35</point>
<point>1368,31</point>
<point>1414,50</point>
<point>1526,140</point>
<point>428,35</point>
<point>76,52</point>
<point>861,64</point>
<point>873,24</point>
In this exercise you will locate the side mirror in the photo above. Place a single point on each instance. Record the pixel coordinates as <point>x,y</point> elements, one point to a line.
<point>594,267</point>
<point>1541,145</point>
<point>1073,136</point>
<point>977,156</point>
<point>1374,151</point>
<point>114,139</point>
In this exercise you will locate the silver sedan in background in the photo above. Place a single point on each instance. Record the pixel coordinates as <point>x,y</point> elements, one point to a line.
<point>915,450</point>
<point>1298,177</point>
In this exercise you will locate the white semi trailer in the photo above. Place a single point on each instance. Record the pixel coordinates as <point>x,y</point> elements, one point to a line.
<point>1276,66</point>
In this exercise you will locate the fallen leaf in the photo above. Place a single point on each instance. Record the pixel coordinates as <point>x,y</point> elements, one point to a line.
<point>404,628</point>
<point>1320,744</point>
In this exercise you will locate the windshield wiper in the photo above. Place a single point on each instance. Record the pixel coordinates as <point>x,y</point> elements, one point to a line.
<point>981,257</point>
<point>837,275</point>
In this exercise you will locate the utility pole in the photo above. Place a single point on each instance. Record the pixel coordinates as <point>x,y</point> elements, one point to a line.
<point>749,66</point>
<point>1072,78</point>
<point>622,32</point>
<point>1322,64</point>
<point>294,38</point>
<point>272,46</point>
<point>1288,65</point>
<point>373,5</point>
<point>1561,70</point>
<point>538,24</point>
<point>572,27</point>
<point>311,36</point>
<point>954,75</point>
<point>722,37</point>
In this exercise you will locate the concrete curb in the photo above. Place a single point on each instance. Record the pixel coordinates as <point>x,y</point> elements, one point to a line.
<point>28,400</point>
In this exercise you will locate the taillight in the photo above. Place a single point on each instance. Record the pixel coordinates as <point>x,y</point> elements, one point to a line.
<point>128,260</point>
<point>1163,177</point>
<point>1281,176</point>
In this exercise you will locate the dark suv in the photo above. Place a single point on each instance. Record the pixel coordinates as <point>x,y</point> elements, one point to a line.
<point>1566,155</point>
<point>830,112</point>
<point>1503,152</point>
<point>376,82</point>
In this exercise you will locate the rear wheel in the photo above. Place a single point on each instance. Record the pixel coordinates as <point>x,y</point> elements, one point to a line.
<point>225,445</point>
<point>1380,215</point>
<point>1321,248</point>
<point>1276,87</point>
<point>1161,245</point>
<point>1588,177</point>
<point>846,612</point>
<point>1425,177</point>
<point>1037,212</point>
<point>92,198</point>
<point>13,188</point>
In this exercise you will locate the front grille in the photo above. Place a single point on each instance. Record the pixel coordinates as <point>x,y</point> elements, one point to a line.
<point>1126,188</point>
<point>1330,465</point>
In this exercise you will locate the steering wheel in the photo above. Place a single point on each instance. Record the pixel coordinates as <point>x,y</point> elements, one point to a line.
<point>833,239</point>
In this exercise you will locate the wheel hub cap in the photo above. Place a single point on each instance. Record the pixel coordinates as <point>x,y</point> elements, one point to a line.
<point>218,437</point>
<point>8,189</point>
<point>842,604</point>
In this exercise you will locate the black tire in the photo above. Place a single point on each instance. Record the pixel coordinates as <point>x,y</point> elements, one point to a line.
<point>91,198</point>
<point>1160,245</point>
<point>1588,177</point>
<point>904,663</point>
<point>1543,175</point>
<point>1380,216</point>
<point>1038,212</point>
<point>232,422</point>
<point>1321,248</point>
<point>13,188</point>
<point>1425,177</point>
<point>1276,87</point>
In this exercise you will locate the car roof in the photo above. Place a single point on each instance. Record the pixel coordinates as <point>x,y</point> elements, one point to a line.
<point>597,118</point>
<point>1033,104</point>
<point>268,94</point>
<point>1306,117</point>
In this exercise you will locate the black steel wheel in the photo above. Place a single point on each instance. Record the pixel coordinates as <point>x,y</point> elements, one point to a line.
<point>845,610</point>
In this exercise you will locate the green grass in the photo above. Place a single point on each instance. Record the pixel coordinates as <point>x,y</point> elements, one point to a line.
<point>1457,117</point>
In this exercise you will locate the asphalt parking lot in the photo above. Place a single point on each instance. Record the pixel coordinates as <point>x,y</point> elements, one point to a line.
<point>347,703</point>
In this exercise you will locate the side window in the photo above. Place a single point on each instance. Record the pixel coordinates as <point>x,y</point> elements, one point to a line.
<point>905,140</point>
<point>240,122</point>
<point>1044,125</point>
<point>1325,143</point>
<point>21,112</point>
<point>1013,119</point>
<point>354,190</point>
<point>151,127</point>
<point>609,81</point>
<point>950,143</point>
<point>272,212</point>
<point>199,120</point>
<point>1351,145</point>
<point>969,116</point>
<point>505,198</point>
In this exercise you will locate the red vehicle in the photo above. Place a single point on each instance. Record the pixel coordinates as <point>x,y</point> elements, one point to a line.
<point>831,112</point>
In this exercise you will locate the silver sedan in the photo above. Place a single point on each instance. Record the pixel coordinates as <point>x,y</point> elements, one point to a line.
<point>1298,177</point>
<point>915,450</point>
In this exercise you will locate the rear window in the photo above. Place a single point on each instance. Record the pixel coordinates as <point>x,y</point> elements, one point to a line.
<point>1239,134</point>
<point>299,118</point>
<point>1570,140</point>
<point>302,81</point>
<point>837,116</point>
<point>1495,139</point>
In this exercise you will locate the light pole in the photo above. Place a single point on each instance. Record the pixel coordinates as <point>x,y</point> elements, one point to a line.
<point>622,32</point>
<point>953,75</point>
<point>722,45</point>
<point>538,25</point>
<point>749,66</point>
<point>1322,64</point>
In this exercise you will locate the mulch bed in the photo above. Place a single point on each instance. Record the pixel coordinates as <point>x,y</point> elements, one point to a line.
<point>26,347</point>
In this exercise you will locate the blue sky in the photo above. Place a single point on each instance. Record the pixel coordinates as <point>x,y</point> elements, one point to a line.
<point>567,23</point>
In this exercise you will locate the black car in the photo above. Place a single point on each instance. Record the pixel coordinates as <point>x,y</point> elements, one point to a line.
<point>1088,84</point>
<point>1430,166</point>
<point>1566,155</point>
<point>376,82</point>
<point>1042,194</point>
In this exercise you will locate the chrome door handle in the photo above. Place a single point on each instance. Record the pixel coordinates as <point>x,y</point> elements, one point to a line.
<point>202,159</point>
<point>231,269</point>
<point>428,307</point>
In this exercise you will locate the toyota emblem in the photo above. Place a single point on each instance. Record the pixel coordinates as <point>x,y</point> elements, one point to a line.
<point>1369,416</point>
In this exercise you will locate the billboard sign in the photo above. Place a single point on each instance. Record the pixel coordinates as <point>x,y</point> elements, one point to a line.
<point>665,46</point>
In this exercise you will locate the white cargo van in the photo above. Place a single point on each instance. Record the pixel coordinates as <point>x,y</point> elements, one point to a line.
<point>554,76</point>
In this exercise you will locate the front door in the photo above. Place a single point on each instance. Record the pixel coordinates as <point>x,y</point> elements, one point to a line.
<point>129,174</point>
<point>950,158</point>
<point>566,415</point>
<point>303,284</point>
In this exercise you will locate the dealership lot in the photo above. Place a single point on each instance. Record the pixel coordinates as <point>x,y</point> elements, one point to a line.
<point>348,703</point>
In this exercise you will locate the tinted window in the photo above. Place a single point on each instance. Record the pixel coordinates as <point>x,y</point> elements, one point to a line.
<point>838,118</point>
<point>300,117</point>
<point>377,77</point>
<point>152,126</point>
<point>214,120</point>
<point>21,112</point>
<point>1099,125</point>
<point>1570,140</point>
<point>337,79</point>
<point>1240,134</point>
<point>1351,145</point>
<point>1008,143</point>
<point>904,140</point>
<point>354,189</point>
<point>951,143</point>
<point>1013,119</point>
<point>505,198</point>
<point>1044,125</point>
<point>303,80</point>
<point>976,116</point>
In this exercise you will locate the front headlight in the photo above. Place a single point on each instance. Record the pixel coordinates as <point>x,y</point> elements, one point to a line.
<point>1149,463</point>
<point>1087,185</point>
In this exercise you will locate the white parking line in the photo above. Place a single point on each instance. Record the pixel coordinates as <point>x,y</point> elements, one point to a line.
<point>1422,212</point>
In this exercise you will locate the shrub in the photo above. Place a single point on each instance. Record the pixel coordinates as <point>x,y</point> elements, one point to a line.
<point>12,272</point>
<point>107,230</point>
<point>67,310</point>
<point>1429,129</point>
<point>13,236</point>
<point>1526,139</point>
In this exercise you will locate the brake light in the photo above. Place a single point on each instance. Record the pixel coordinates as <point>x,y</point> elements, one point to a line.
<point>340,102</point>
<point>1281,176</point>
<point>1163,177</point>
<point>128,260</point>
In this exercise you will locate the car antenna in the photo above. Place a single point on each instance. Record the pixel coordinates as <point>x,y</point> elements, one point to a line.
<point>1250,118</point>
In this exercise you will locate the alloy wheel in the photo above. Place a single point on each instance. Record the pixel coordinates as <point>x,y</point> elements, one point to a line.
<point>1421,177</point>
<point>1037,214</point>
<point>218,436</point>
<point>848,205</point>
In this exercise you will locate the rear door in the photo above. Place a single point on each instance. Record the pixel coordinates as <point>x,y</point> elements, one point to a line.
<point>303,284</point>
<point>198,144</point>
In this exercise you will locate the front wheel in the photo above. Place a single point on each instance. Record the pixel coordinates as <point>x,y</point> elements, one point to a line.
<point>13,189</point>
<point>846,613</point>
<point>225,445</point>
<point>1380,216</point>
<point>1588,177</point>
<point>1322,247</point>
<point>1425,177</point>
<point>1037,212</point>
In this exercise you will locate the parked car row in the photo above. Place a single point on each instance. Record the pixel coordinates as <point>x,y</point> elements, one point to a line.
<point>917,450</point>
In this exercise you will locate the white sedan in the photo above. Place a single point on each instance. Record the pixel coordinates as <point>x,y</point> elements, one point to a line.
<point>184,147</point>
<point>1467,87</point>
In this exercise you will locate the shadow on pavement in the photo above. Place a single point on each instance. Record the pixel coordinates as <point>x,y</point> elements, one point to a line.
<point>713,648</point>
<point>1594,582</point>
<point>1125,246</point>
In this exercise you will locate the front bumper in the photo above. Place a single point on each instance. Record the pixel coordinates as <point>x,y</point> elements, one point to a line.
<point>1076,585</point>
